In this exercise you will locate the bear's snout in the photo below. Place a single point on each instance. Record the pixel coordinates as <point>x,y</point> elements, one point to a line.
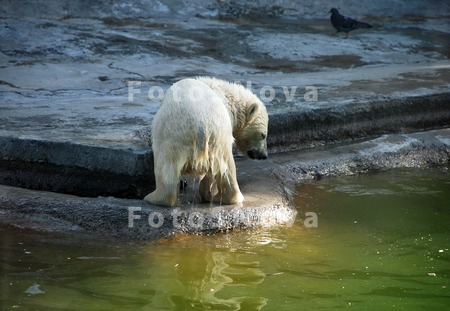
<point>257,154</point>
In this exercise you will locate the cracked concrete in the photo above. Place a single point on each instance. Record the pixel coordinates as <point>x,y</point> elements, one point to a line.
<point>67,123</point>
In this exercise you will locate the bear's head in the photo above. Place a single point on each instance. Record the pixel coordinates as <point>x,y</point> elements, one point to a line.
<point>251,137</point>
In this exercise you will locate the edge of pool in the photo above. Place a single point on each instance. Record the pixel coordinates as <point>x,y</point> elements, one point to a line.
<point>125,169</point>
<point>267,186</point>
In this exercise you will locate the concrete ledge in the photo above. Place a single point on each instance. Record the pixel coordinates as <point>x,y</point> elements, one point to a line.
<point>266,205</point>
<point>415,150</point>
<point>267,187</point>
<point>74,168</point>
<point>86,170</point>
<point>132,219</point>
<point>344,123</point>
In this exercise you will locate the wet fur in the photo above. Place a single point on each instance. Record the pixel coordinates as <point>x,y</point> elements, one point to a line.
<point>195,137</point>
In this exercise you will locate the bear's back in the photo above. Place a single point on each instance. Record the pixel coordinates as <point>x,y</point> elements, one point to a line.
<point>191,112</point>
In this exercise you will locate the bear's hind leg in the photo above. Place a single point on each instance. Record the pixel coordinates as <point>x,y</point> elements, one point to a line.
<point>167,178</point>
<point>227,186</point>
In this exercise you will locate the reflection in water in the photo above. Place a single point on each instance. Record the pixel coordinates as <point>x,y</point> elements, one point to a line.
<point>205,278</point>
<point>207,273</point>
<point>382,244</point>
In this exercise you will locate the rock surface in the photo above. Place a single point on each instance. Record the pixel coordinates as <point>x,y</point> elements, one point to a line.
<point>268,188</point>
<point>80,82</point>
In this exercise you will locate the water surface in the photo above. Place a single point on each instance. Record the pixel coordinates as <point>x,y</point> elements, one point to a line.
<point>381,243</point>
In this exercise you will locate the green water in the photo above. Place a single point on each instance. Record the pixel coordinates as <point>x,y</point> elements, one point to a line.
<point>382,243</point>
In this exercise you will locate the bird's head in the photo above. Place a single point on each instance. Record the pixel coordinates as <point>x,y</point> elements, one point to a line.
<point>334,11</point>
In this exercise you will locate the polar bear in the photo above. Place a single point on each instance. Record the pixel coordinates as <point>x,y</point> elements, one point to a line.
<point>193,133</point>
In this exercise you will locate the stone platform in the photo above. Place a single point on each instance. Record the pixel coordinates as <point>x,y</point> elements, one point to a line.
<point>79,88</point>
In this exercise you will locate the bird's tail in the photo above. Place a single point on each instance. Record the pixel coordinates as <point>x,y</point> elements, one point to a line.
<point>363,25</point>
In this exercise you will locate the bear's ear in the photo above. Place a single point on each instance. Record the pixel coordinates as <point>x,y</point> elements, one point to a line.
<point>252,112</point>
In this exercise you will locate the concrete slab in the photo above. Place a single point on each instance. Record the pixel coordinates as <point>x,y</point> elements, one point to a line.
<point>415,150</point>
<point>80,83</point>
<point>268,189</point>
<point>68,110</point>
<point>266,205</point>
<point>60,76</point>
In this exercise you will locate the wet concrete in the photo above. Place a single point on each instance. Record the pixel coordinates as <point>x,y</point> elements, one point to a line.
<point>69,124</point>
<point>268,188</point>
<point>415,150</point>
<point>266,205</point>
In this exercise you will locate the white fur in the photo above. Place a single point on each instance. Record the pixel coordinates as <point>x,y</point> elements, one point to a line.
<point>192,133</point>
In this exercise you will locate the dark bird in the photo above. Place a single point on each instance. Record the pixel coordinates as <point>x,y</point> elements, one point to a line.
<point>344,23</point>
